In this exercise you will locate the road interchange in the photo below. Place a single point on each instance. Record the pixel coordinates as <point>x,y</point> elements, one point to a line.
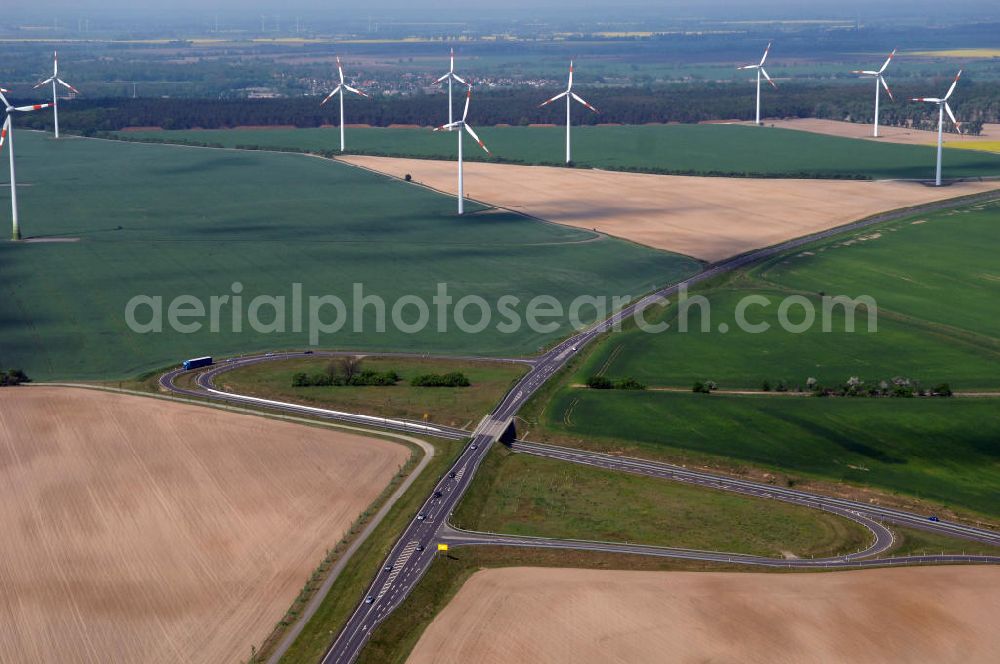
<point>414,551</point>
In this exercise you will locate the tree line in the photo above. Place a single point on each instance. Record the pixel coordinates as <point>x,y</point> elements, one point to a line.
<point>685,103</point>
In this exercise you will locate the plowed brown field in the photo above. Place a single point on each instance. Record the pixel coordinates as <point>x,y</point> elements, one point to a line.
<point>141,530</point>
<point>704,217</point>
<point>517,615</point>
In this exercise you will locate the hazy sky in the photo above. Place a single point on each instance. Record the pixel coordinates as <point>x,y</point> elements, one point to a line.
<point>469,9</point>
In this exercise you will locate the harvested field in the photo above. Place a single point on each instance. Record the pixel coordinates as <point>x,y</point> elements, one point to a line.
<point>141,530</point>
<point>513,615</point>
<point>991,132</point>
<point>704,217</point>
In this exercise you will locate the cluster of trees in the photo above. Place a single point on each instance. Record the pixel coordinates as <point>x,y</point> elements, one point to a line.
<point>605,383</point>
<point>685,103</point>
<point>896,387</point>
<point>704,386</point>
<point>451,379</point>
<point>365,378</point>
<point>345,371</point>
<point>13,377</point>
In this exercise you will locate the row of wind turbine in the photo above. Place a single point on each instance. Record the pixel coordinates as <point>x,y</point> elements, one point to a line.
<point>7,136</point>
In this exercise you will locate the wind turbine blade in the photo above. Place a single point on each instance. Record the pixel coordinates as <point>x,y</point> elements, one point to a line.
<point>887,61</point>
<point>45,82</point>
<point>570,85</point>
<point>766,51</point>
<point>749,67</point>
<point>958,125</point>
<point>865,72</point>
<point>886,86</point>
<point>953,84</point>
<point>452,69</point>
<point>67,85</point>
<point>4,99</point>
<point>450,125</point>
<point>340,70</point>
<point>558,96</point>
<point>330,96</point>
<point>355,91</point>
<point>468,98</point>
<point>932,100</point>
<point>33,107</point>
<point>443,78</point>
<point>764,72</point>
<point>3,132</point>
<point>459,79</point>
<point>580,99</point>
<point>55,63</point>
<point>478,140</point>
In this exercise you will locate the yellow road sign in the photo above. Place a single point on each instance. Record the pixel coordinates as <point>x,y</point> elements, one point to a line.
<point>442,547</point>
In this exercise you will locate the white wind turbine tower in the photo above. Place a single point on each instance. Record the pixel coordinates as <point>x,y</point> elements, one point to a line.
<point>7,136</point>
<point>943,106</point>
<point>451,76</point>
<point>340,88</point>
<point>879,82</point>
<point>570,95</point>
<point>760,70</point>
<point>460,125</point>
<point>53,80</point>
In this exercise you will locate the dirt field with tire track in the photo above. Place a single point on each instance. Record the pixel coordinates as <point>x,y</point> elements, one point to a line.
<point>143,530</point>
<point>704,217</point>
<point>567,616</point>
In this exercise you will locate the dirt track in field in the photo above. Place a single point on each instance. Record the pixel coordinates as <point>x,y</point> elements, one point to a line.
<point>704,217</point>
<point>990,133</point>
<point>557,616</point>
<point>141,530</point>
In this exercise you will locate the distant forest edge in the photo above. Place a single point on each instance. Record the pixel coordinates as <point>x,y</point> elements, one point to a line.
<point>977,104</point>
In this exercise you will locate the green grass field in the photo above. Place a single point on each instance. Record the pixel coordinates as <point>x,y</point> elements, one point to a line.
<point>449,406</point>
<point>700,149</point>
<point>169,221</point>
<point>520,494</point>
<point>936,284</point>
<point>946,450</point>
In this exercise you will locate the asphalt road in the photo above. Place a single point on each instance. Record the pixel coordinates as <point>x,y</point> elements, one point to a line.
<point>414,552</point>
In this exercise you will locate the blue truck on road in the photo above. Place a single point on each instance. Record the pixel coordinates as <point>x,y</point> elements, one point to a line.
<point>197,362</point>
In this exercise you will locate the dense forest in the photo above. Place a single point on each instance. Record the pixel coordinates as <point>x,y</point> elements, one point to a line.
<point>685,103</point>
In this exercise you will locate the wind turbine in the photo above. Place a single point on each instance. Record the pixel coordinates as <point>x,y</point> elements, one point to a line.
<point>760,70</point>
<point>462,124</point>
<point>943,106</point>
<point>7,136</point>
<point>879,80</point>
<point>451,76</point>
<point>53,80</point>
<point>570,95</point>
<point>340,88</point>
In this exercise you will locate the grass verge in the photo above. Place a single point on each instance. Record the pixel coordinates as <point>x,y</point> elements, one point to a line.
<point>456,407</point>
<point>350,586</point>
<point>914,542</point>
<point>520,494</point>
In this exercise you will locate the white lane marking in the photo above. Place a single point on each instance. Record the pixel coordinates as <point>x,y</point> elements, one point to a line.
<point>324,411</point>
<point>397,567</point>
